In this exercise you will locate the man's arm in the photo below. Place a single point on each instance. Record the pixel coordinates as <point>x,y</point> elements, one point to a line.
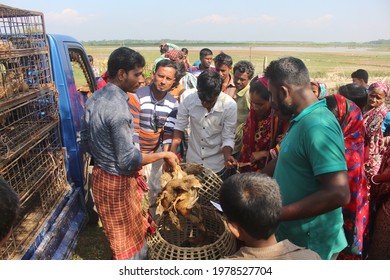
<point>229,160</point>
<point>228,134</point>
<point>135,109</point>
<point>82,138</point>
<point>169,157</point>
<point>173,46</point>
<point>176,140</point>
<point>180,125</point>
<point>269,169</point>
<point>334,193</point>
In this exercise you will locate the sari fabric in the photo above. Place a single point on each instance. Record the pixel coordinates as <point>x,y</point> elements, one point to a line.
<point>375,141</point>
<point>259,135</point>
<point>380,207</point>
<point>356,212</point>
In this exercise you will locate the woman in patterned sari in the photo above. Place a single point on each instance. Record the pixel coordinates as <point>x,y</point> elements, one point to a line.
<point>356,212</point>
<point>380,216</point>
<point>262,128</point>
<point>376,120</point>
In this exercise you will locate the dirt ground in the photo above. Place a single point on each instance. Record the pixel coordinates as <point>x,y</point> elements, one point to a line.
<point>92,244</point>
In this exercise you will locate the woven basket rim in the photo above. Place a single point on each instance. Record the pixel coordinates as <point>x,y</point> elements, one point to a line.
<point>157,238</point>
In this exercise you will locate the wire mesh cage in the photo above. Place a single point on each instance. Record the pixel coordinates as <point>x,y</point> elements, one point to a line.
<point>21,30</point>
<point>48,187</point>
<point>34,117</point>
<point>31,155</point>
<point>25,172</point>
<point>24,55</point>
<point>167,243</point>
<point>38,176</point>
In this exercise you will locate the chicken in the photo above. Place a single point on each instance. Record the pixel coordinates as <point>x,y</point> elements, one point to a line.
<point>179,195</point>
<point>193,168</point>
<point>3,119</point>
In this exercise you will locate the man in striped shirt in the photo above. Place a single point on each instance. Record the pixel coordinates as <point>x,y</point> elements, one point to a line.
<point>155,102</point>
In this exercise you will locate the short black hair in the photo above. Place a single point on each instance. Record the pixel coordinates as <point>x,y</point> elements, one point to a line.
<point>244,66</point>
<point>355,93</point>
<point>360,74</point>
<point>184,50</point>
<point>124,58</point>
<point>253,201</point>
<point>9,208</point>
<point>209,84</point>
<point>289,70</point>
<point>166,63</point>
<point>205,52</point>
<point>223,58</point>
<point>331,103</point>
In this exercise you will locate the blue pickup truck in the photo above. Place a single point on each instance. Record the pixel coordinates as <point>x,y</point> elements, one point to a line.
<point>40,119</point>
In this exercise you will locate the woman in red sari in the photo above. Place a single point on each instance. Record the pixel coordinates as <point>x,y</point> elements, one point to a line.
<point>262,128</point>
<point>356,212</point>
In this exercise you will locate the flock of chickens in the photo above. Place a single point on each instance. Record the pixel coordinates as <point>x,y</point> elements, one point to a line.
<point>12,80</point>
<point>179,196</point>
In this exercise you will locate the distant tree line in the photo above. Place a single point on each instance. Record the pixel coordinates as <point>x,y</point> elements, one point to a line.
<point>190,43</point>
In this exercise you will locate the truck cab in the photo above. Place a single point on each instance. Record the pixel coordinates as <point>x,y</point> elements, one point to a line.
<point>45,80</point>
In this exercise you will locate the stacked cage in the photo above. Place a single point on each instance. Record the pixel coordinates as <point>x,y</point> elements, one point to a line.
<point>31,155</point>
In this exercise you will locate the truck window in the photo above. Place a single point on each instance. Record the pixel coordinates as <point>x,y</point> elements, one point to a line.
<point>80,66</point>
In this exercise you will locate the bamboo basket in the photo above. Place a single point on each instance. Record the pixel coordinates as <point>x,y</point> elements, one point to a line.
<point>211,183</point>
<point>167,243</point>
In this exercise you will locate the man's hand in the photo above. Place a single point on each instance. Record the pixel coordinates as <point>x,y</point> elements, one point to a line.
<point>170,161</point>
<point>231,162</point>
<point>257,156</point>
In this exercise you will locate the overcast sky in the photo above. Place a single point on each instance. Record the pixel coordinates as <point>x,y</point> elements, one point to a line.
<point>216,20</point>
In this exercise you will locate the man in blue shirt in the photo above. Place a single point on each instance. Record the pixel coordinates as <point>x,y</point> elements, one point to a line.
<point>311,166</point>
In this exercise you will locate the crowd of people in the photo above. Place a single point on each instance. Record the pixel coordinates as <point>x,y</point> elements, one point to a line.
<point>305,174</point>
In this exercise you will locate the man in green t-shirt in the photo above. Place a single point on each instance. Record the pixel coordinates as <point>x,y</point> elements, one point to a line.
<point>311,166</point>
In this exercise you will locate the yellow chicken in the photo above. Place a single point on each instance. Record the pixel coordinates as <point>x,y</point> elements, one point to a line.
<point>179,195</point>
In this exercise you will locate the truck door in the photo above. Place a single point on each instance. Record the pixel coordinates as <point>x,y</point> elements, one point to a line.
<point>75,81</point>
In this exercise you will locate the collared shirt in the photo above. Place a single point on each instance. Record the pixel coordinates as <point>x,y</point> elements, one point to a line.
<point>312,146</point>
<point>210,131</point>
<point>108,131</point>
<point>243,100</point>
<point>231,87</point>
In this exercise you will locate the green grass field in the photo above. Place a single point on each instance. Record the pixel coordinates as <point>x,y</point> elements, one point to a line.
<point>333,68</point>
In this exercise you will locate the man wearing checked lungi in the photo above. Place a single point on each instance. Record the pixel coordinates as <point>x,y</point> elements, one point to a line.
<point>107,133</point>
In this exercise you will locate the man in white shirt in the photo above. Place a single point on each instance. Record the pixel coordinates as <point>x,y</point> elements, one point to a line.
<point>212,117</point>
